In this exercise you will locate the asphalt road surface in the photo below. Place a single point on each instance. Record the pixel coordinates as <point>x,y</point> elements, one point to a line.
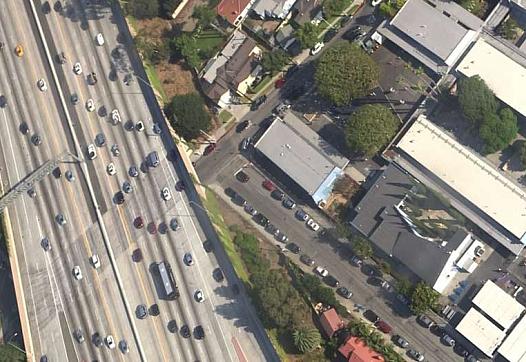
<point>57,303</point>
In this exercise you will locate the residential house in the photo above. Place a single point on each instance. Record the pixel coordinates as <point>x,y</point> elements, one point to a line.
<point>285,37</point>
<point>305,11</point>
<point>381,217</point>
<point>330,322</point>
<point>234,11</point>
<point>272,9</point>
<point>231,72</point>
<point>355,350</point>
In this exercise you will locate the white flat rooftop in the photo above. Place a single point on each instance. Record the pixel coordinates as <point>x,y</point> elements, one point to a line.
<point>468,174</point>
<point>514,348</point>
<point>498,305</point>
<point>481,332</point>
<point>506,80</point>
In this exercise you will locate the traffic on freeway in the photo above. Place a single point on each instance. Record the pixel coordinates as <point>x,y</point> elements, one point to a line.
<point>109,250</point>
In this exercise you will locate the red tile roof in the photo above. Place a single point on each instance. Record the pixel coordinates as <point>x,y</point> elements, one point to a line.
<point>355,350</point>
<point>331,322</point>
<point>231,9</point>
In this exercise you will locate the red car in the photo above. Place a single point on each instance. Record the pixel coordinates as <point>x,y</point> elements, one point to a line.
<point>138,222</point>
<point>384,327</point>
<point>269,185</point>
<point>280,83</point>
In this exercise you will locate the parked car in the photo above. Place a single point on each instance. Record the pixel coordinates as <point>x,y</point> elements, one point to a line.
<point>294,248</point>
<point>289,203</point>
<point>141,311</point>
<point>371,316</point>
<point>262,220</point>
<point>245,143</point>
<point>281,237</point>
<point>425,321</point>
<point>267,184</point>
<point>79,336</point>
<point>302,215</point>
<point>331,281</point>
<point>239,200</point>
<point>243,125</point>
<point>250,209</point>
<point>307,260</point>
<point>417,356</point>
<point>401,341</point>
<point>472,358</point>
<point>344,292</point>
<point>448,340</point>
<point>321,271</point>
<point>271,229</point>
<point>383,326</point>
<point>242,177</point>
<point>317,48</point>
<point>356,261</point>
<point>258,102</point>
<point>277,194</point>
<point>313,225</point>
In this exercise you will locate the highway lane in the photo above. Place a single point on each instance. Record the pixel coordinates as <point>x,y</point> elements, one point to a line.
<point>94,309</point>
<point>152,198</point>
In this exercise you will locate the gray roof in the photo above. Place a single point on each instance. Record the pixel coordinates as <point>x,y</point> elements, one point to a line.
<point>423,29</point>
<point>376,217</point>
<point>300,152</point>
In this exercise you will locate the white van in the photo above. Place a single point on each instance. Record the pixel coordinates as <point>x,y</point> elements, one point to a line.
<point>99,39</point>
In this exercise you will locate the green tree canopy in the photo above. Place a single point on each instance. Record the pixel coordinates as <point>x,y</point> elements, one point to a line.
<point>204,15</point>
<point>152,51</point>
<point>361,247</point>
<point>187,48</point>
<point>307,35</point>
<point>370,127</point>
<point>404,287</point>
<point>274,61</point>
<point>168,7</point>
<point>143,9</point>
<point>334,7</point>
<point>306,339</point>
<point>520,149</point>
<point>188,116</point>
<point>423,298</point>
<point>8,353</point>
<point>476,99</point>
<point>497,131</point>
<point>345,72</point>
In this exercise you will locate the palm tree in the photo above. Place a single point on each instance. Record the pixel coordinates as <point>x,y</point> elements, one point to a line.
<point>359,328</point>
<point>306,339</point>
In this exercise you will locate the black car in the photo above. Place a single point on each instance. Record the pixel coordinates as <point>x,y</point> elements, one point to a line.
<point>218,275</point>
<point>100,139</point>
<point>172,326</point>
<point>230,192</point>
<point>208,246</point>
<point>97,339</point>
<point>271,229</point>
<point>262,220</point>
<point>141,311</point>
<point>239,200</point>
<point>277,194</point>
<point>289,203</point>
<point>331,281</point>
<point>185,331</point>
<point>3,101</point>
<point>45,244</point>
<point>199,332</point>
<point>119,198</point>
<point>344,292</point>
<point>371,316</point>
<point>243,126</point>
<point>57,172</point>
<point>329,35</point>
<point>46,8</point>
<point>307,260</point>
<point>36,140</point>
<point>294,248</point>
<point>24,128</point>
<point>154,310</point>
<point>345,19</point>
<point>258,102</point>
<point>242,177</point>
<point>74,98</point>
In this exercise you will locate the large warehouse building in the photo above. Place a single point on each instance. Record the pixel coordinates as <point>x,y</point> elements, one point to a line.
<point>302,155</point>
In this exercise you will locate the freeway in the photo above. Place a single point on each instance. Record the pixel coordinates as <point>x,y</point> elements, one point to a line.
<point>105,300</point>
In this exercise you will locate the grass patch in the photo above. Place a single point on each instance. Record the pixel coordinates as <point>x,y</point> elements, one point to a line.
<point>214,213</point>
<point>225,116</point>
<point>132,21</point>
<point>154,79</point>
<point>209,40</point>
<point>274,339</point>
<point>264,82</point>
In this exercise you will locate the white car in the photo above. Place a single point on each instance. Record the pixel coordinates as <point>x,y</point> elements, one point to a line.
<point>313,225</point>
<point>321,271</point>
<point>100,39</point>
<point>95,261</point>
<point>77,272</point>
<point>165,193</point>
<point>139,126</point>
<point>115,116</point>
<point>110,342</point>
<point>199,296</point>
<point>92,152</point>
<point>111,169</point>
<point>317,48</point>
<point>90,105</point>
<point>77,68</point>
<point>42,85</point>
<point>376,2</point>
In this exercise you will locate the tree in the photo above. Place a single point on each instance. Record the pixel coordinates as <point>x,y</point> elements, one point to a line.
<point>404,287</point>
<point>151,50</point>
<point>143,9</point>
<point>520,148</point>
<point>274,61</point>
<point>307,35</point>
<point>204,15</point>
<point>334,7</point>
<point>306,339</point>
<point>423,298</point>
<point>188,115</point>
<point>168,7</point>
<point>345,72</point>
<point>359,328</point>
<point>370,128</point>
<point>186,46</point>
<point>476,99</point>
<point>508,29</point>
<point>361,247</point>
<point>11,354</point>
<point>497,131</point>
